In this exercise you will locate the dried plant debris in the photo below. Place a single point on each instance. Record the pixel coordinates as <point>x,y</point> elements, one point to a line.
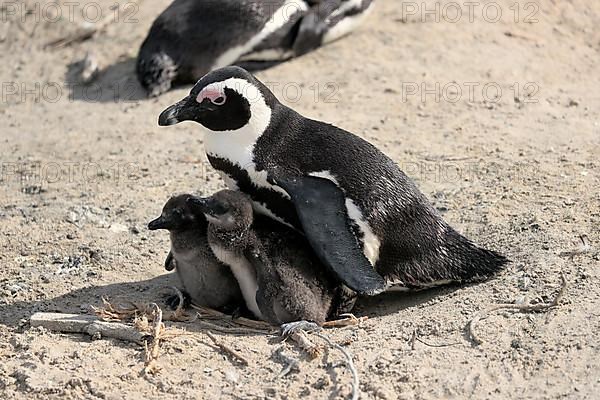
<point>349,363</point>
<point>345,320</point>
<point>582,246</point>
<point>228,350</point>
<point>152,350</point>
<point>526,307</point>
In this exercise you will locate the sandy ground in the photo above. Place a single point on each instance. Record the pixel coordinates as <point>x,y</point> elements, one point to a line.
<point>508,153</point>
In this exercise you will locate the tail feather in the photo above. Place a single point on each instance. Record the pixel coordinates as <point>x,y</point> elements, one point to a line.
<point>469,262</point>
<point>444,259</point>
<point>156,72</point>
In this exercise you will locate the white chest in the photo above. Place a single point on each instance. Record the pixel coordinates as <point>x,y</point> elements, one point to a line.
<point>244,274</point>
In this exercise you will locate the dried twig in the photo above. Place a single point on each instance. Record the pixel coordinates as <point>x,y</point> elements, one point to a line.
<point>581,247</point>
<point>418,339</point>
<point>302,340</point>
<point>413,339</point>
<point>347,320</point>
<point>234,331</point>
<point>152,351</point>
<point>517,307</point>
<point>209,313</point>
<point>349,362</point>
<point>520,36</point>
<point>290,363</point>
<point>227,350</point>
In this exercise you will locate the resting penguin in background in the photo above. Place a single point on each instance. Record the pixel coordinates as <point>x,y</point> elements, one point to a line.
<point>206,281</point>
<point>364,218</point>
<point>193,37</point>
<point>280,277</point>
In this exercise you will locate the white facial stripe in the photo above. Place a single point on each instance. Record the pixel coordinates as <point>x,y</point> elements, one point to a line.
<point>279,18</point>
<point>371,242</point>
<point>237,145</point>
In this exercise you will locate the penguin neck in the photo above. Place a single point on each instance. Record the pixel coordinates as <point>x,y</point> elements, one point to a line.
<point>233,240</point>
<point>187,240</point>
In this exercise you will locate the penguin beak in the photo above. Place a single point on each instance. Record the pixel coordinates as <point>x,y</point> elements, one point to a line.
<point>183,110</point>
<point>158,223</point>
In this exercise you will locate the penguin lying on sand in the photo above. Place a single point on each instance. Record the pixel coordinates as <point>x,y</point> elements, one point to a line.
<point>193,37</point>
<point>205,280</point>
<point>364,218</point>
<point>281,279</point>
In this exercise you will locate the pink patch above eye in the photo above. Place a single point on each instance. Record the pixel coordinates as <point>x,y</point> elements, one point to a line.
<point>211,94</point>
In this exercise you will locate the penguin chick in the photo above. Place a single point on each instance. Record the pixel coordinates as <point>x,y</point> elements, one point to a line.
<point>279,275</point>
<point>207,281</point>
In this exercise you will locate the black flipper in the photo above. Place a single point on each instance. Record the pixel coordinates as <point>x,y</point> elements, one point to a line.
<point>170,263</point>
<point>321,208</point>
<point>314,26</point>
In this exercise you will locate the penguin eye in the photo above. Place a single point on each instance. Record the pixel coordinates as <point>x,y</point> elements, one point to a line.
<point>219,101</point>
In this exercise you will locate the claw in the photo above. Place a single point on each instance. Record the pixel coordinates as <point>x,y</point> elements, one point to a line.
<point>293,327</point>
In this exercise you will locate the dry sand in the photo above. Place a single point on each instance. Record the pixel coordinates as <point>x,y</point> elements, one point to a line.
<point>518,172</point>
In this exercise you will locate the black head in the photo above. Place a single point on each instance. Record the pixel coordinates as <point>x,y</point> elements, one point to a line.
<point>226,99</point>
<point>177,215</point>
<point>227,209</point>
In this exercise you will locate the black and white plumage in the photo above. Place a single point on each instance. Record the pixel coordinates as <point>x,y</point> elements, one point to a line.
<point>205,279</point>
<point>281,278</point>
<point>192,37</point>
<point>357,209</point>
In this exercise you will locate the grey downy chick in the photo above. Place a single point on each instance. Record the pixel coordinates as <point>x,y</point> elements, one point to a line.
<point>205,280</point>
<point>280,277</point>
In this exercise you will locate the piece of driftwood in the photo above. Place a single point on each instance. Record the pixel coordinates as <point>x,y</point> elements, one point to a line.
<point>88,324</point>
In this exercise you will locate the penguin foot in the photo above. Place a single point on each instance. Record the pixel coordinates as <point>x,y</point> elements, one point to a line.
<point>238,311</point>
<point>173,301</point>
<point>293,327</point>
<point>156,72</point>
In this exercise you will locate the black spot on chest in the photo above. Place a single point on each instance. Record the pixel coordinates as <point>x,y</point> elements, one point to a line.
<point>275,202</point>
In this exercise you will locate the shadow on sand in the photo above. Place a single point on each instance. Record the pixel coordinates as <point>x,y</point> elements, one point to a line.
<point>159,288</point>
<point>116,83</point>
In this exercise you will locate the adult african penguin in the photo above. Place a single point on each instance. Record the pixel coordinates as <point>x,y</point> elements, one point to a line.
<point>192,37</point>
<point>357,209</point>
